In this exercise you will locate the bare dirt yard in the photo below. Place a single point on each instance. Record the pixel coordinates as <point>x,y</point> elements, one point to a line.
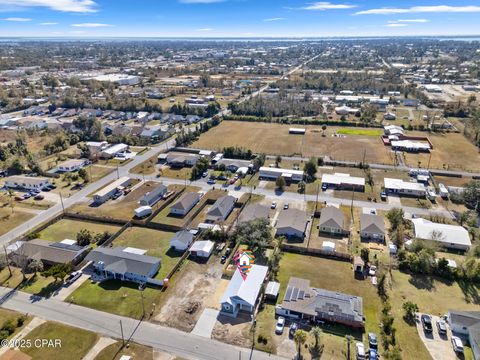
<point>274,139</point>
<point>199,287</point>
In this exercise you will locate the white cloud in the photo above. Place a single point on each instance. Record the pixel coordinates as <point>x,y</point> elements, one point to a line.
<point>396,25</point>
<point>80,6</point>
<point>421,9</point>
<point>204,29</point>
<point>322,6</point>
<point>274,19</point>
<point>48,23</point>
<point>200,1</point>
<point>412,21</point>
<point>17,19</point>
<point>91,25</point>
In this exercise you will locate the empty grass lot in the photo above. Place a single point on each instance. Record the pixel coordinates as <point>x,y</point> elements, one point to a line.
<point>361,132</point>
<point>115,352</point>
<point>36,285</point>
<point>68,229</point>
<point>157,244</point>
<point>433,297</point>
<point>274,139</point>
<point>9,220</point>
<point>330,275</point>
<point>116,297</point>
<point>75,343</point>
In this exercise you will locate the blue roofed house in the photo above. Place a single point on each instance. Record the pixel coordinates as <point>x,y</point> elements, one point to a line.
<point>242,294</point>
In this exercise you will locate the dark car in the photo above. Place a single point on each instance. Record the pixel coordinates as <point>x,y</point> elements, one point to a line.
<point>116,195</point>
<point>293,329</point>
<point>372,354</point>
<point>39,197</point>
<point>426,323</point>
<point>383,196</point>
<point>372,341</point>
<point>223,259</point>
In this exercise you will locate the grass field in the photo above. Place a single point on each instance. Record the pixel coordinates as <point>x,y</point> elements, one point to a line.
<point>432,296</point>
<point>147,167</point>
<point>157,244</point>
<point>36,285</point>
<point>75,343</point>
<point>330,275</point>
<point>97,172</point>
<point>450,151</point>
<point>274,139</point>
<point>117,297</point>
<point>9,220</point>
<point>135,351</point>
<point>68,229</point>
<point>361,132</point>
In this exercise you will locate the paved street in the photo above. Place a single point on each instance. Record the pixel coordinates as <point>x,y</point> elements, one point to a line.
<point>166,339</point>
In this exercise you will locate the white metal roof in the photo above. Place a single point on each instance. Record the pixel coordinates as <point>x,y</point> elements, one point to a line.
<point>403,185</point>
<point>340,178</point>
<point>452,234</point>
<point>247,289</point>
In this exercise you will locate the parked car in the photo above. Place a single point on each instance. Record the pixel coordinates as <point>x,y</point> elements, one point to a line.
<point>286,206</point>
<point>274,205</point>
<point>211,181</point>
<point>34,192</point>
<point>222,177</point>
<point>232,181</point>
<point>360,351</point>
<point>116,195</point>
<point>73,277</point>
<point>442,327</point>
<point>26,196</point>
<point>372,271</point>
<point>457,344</point>
<point>19,198</point>
<point>293,328</point>
<point>383,196</point>
<point>372,340</point>
<point>228,252</point>
<point>427,323</point>
<point>205,174</point>
<point>223,259</point>
<point>324,187</point>
<point>280,325</point>
<point>372,354</point>
<point>39,197</point>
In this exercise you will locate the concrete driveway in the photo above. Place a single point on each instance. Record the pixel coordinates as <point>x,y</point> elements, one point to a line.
<point>206,323</point>
<point>439,346</point>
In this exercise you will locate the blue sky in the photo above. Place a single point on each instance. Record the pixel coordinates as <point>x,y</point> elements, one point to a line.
<point>237,18</point>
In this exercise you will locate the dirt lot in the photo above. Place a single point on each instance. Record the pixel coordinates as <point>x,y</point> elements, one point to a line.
<point>200,286</point>
<point>274,139</point>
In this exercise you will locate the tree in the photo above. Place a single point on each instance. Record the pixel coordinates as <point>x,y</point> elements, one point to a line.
<point>58,271</point>
<point>84,237</point>
<point>463,217</point>
<point>300,337</point>
<point>280,183</point>
<point>471,195</point>
<point>365,254</point>
<point>278,160</point>
<point>301,187</point>
<point>310,168</point>
<point>257,234</point>
<point>395,216</point>
<point>324,127</point>
<point>35,266</point>
<point>317,332</point>
<point>410,309</point>
<point>84,175</point>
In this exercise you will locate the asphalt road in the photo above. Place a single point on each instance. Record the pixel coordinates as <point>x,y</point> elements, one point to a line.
<point>170,340</point>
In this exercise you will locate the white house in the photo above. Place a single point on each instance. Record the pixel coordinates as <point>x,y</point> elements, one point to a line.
<point>185,204</point>
<point>72,165</point>
<point>242,293</point>
<point>181,240</point>
<point>143,211</point>
<point>274,173</point>
<point>108,191</point>
<point>114,150</point>
<point>27,182</point>
<point>400,187</point>
<point>202,248</point>
<point>343,181</point>
<point>449,236</point>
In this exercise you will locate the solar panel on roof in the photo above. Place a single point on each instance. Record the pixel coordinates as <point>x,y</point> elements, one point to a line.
<point>294,294</point>
<point>288,293</point>
<point>301,294</point>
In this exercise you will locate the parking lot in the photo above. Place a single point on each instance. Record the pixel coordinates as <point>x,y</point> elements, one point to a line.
<point>439,346</point>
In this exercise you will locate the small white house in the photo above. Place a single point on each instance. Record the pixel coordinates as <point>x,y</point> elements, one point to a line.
<point>72,165</point>
<point>181,240</point>
<point>26,182</point>
<point>202,248</point>
<point>143,211</point>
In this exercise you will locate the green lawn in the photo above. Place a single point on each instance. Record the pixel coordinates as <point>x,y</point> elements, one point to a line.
<point>68,229</point>
<point>330,275</point>
<point>136,351</point>
<point>117,297</point>
<point>37,285</point>
<point>75,343</point>
<point>157,244</point>
<point>432,296</point>
<point>361,132</point>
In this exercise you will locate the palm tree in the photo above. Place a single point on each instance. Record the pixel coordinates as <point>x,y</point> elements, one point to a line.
<point>300,338</point>
<point>317,332</point>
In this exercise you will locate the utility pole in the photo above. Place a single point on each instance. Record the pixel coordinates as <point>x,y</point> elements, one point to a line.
<point>121,330</point>
<point>430,158</point>
<point>118,172</point>
<point>143,304</point>
<point>61,200</point>
<point>6,259</point>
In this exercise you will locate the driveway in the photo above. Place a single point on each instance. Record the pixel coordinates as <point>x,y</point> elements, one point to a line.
<point>65,291</point>
<point>439,346</point>
<point>205,324</point>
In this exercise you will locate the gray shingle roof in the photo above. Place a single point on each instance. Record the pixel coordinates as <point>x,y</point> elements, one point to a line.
<point>184,236</point>
<point>372,224</point>
<point>222,207</point>
<point>332,217</point>
<point>57,253</point>
<point>153,196</point>
<point>254,211</point>
<point>293,218</point>
<point>186,201</point>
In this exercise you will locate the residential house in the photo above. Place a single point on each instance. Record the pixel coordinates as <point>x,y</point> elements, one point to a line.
<point>181,240</point>
<point>108,191</point>
<point>179,159</point>
<point>254,211</point>
<point>340,181</point>
<point>269,173</point>
<point>154,196</point>
<point>304,302</point>
<point>96,147</point>
<point>332,221</point>
<point>124,264</point>
<point>372,227</point>
<point>466,324</point>
<point>113,151</point>
<point>400,187</point>
<point>221,209</point>
<point>242,291</point>
<point>232,165</point>
<point>292,223</point>
<point>22,182</point>
<point>49,253</point>
<point>185,204</point>
<point>72,165</point>
<point>448,236</point>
